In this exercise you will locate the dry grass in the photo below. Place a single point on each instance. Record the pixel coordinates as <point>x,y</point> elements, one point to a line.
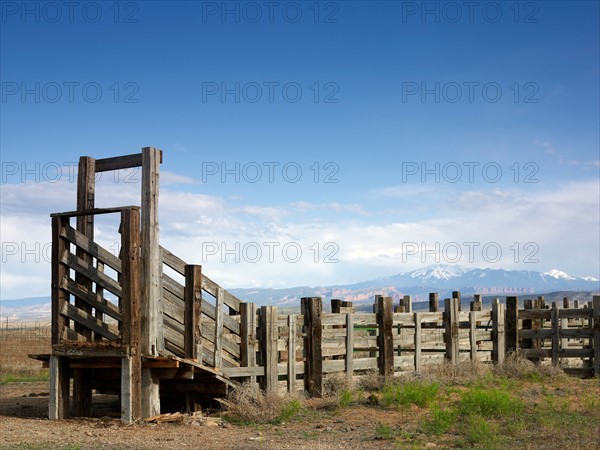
<point>14,363</point>
<point>248,404</point>
<point>518,367</point>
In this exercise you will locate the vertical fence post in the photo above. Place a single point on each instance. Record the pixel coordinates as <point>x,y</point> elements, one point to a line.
<point>349,346</point>
<point>498,334</point>
<point>268,344</point>
<point>434,302</point>
<point>564,324</point>
<point>192,310</point>
<point>59,402</point>
<point>218,339</point>
<point>473,335</point>
<point>456,295</point>
<point>418,341</point>
<point>292,333</point>
<point>596,318</point>
<point>385,338</point>
<point>451,329</point>
<point>131,366</point>
<point>555,333</point>
<point>312,309</point>
<point>511,325</point>
<point>248,337</point>
<point>407,303</point>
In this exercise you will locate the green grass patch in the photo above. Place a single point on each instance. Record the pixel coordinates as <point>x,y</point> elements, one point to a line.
<point>411,393</point>
<point>385,431</point>
<point>7,378</point>
<point>289,411</point>
<point>440,421</point>
<point>489,402</point>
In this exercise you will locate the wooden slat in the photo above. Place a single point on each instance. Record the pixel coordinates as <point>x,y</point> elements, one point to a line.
<point>119,162</point>
<point>562,353</point>
<point>349,346</point>
<point>418,341</point>
<point>568,333</point>
<point>269,333</point>
<point>292,333</point>
<point>59,296</point>
<point>90,271</point>
<point>88,321</point>
<point>81,241</point>
<point>193,302</point>
<point>93,211</point>
<point>472,334</point>
<point>248,337</point>
<point>91,298</point>
<point>535,314</point>
<point>218,340</point>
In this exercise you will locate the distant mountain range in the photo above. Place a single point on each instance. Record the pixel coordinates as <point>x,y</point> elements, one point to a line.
<point>418,283</point>
<point>437,278</point>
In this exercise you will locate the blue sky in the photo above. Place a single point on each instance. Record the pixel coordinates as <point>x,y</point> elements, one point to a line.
<point>513,88</point>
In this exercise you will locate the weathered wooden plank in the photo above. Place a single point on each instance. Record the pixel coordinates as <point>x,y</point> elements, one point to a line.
<point>218,340</point>
<point>433,302</point>
<point>291,373</point>
<point>93,211</point>
<point>248,337</point>
<point>498,336</point>
<point>91,298</point>
<point>562,353</point>
<point>417,341</point>
<point>90,272</point>
<point>193,308</point>
<point>58,401</point>
<point>596,341</point>
<point>569,333</point>
<point>77,351</point>
<point>330,319</point>
<point>555,333</point>
<point>59,271</point>
<point>151,267</point>
<point>525,314</point>
<point>312,309</point>
<point>243,372</point>
<point>173,306</point>
<point>89,246</point>
<point>119,162</point>
<point>385,341</point>
<point>349,346</point>
<point>473,336</point>
<point>451,314</point>
<point>229,322</point>
<point>87,320</point>
<point>511,324</point>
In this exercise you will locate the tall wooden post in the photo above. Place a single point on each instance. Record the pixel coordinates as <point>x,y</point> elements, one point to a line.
<point>86,185</point>
<point>433,302</point>
<point>193,307</point>
<point>451,329</point>
<point>59,390</point>
<point>385,338</point>
<point>268,346</point>
<point>248,337</point>
<point>512,324</point>
<point>596,317</point>
<point>131,366</point>
<point>150,279</point>
<point>498,336</point>
<point>312,309</point>
<point>456,294</point>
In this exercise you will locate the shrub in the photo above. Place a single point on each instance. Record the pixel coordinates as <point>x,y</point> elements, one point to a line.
<point>489,402</point>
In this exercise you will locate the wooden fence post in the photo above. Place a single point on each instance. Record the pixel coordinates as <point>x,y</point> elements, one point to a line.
<point>268,345</point>
<point>418,341</point>
<point>385,338</point>
<point>59,401</point>
<point>131,366</point>
<point>511,325</point>
<point>407,303</point>
<point>476,304</point>
<point>498,334</point>
<point>349,346</point>
<point>248,337</point>
<point>312,309</point>
<point>596,317</point>
<point>555,333</point>
<point>433,302</point>
<point>564,324</point>
<point>192,309</point>
<point>456,295</point>
<point>292,338</point>
<point>219,319</point>
<point>451,329</point>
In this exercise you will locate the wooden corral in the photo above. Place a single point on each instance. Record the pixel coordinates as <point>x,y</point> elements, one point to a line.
<point>162,335</point>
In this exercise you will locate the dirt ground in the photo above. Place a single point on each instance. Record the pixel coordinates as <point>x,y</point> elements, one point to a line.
<point>23,424</point>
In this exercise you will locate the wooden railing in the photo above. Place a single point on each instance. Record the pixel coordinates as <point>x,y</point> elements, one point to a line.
<point>81,313</point>
<point>196,324</point>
